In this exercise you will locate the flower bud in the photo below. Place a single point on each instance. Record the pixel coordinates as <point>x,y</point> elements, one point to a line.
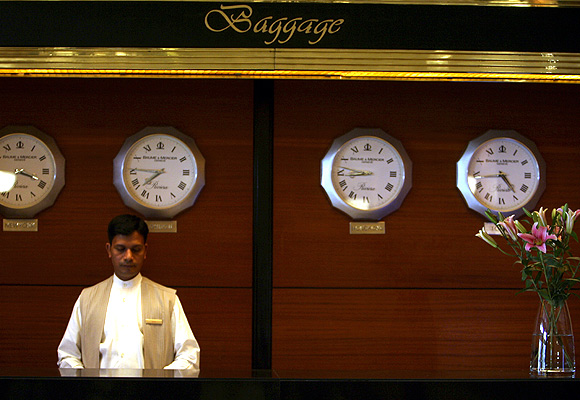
<point>482,234</point>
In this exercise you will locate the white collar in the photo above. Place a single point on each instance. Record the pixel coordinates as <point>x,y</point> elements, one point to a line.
<point>131,283</point>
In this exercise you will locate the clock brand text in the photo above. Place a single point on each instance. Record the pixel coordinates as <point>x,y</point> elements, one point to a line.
<point>500,189</point>
<point>19,158</point>
<point>159,158</point>
<point>363,186</point>
<point>281,30</point>
<point>367,159</point>
<point>155,185</point>
<point>503,162</point>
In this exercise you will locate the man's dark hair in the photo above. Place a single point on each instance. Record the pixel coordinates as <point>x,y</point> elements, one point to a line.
<point>125,225</point>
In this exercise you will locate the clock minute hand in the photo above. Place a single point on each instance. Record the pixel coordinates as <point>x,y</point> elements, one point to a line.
<point>148,170</point>
<point>20,171</point>
<point>356,172</point>
<point>157,173</point>
<point>506,180</point>
<point>489,176</point>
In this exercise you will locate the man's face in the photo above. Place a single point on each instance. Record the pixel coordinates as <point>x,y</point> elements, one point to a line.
<point>127,253</point>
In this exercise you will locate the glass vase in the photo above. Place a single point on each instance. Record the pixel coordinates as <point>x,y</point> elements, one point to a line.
<point>553,341</point>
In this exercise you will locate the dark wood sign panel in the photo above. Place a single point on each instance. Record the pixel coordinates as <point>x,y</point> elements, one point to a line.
<point>288,25</point>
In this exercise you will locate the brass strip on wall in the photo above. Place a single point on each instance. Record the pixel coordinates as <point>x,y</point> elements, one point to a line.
<point>290,63</point>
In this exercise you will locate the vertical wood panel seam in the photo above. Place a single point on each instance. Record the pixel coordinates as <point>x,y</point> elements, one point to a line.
<point>262,236</point>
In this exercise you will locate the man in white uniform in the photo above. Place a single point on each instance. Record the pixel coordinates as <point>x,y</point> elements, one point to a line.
<point>128,321</point>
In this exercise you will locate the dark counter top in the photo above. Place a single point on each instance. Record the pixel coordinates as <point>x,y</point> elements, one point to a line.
<point>280,385</point>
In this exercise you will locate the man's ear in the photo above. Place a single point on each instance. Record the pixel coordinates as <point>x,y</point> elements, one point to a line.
<point>108,247</point>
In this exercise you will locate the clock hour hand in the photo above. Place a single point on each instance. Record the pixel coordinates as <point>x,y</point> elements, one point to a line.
<point>507,182</point>
<point>157,173</point>
<point>20,171</point>
<point>501,175</point>
<point>489,176</point>
<point>356,172</point>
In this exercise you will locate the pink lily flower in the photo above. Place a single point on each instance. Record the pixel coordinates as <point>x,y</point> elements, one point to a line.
<point>510,227</point>
<point>537,238</point>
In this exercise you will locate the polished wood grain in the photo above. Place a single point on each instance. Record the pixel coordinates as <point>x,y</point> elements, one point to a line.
<point>397,329</point>
<point>35,318</point>
<point>428,294</point>
<point>209,259</point>
<point>90,120</point>
<point>429,241</point>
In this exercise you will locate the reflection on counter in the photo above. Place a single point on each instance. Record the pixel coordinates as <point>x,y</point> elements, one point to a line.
<point>129,373</point>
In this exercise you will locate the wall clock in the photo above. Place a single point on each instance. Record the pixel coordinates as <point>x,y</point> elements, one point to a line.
<point>159,172</point>
<point>38,164</point>
<point>503,171</point>
<point>366,174</point>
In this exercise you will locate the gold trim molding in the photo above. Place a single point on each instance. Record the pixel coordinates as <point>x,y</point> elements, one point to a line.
<point>290,64</point>
<point>496,3</point>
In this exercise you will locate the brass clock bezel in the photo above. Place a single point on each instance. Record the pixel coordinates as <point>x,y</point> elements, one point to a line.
<point>463,173</point>
<point>166,212</point>
<point>335,198</point>
<point>58,175</point>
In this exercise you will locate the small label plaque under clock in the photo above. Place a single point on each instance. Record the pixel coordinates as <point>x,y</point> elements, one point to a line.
<point>20,225</point>
<point>367,228</point>
<point>490,228</point>
<point>162,226</point>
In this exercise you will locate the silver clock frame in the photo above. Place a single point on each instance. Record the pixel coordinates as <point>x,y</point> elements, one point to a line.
<point>336,200</point>
<point>58,173</point>
<point>463,163</point>
<point>164,212</point>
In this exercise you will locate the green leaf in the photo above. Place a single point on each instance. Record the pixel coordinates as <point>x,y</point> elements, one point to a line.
<point>491,216</point>
<point>544,294</point>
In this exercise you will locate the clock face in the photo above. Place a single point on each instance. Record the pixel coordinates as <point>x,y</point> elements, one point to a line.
<point>367,173</point>
<point>503,174</point>
<point>501,171</point>
<point>37,168</point>
<point>159,172</point>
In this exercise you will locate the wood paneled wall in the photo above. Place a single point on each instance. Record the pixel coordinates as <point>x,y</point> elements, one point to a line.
<point>426,295</point>
<point>209,260</point>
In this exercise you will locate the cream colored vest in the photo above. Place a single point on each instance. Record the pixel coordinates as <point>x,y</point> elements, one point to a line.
<point>156,308</point>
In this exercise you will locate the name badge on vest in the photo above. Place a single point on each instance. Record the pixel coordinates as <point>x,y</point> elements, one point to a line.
<point>153,321</point>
